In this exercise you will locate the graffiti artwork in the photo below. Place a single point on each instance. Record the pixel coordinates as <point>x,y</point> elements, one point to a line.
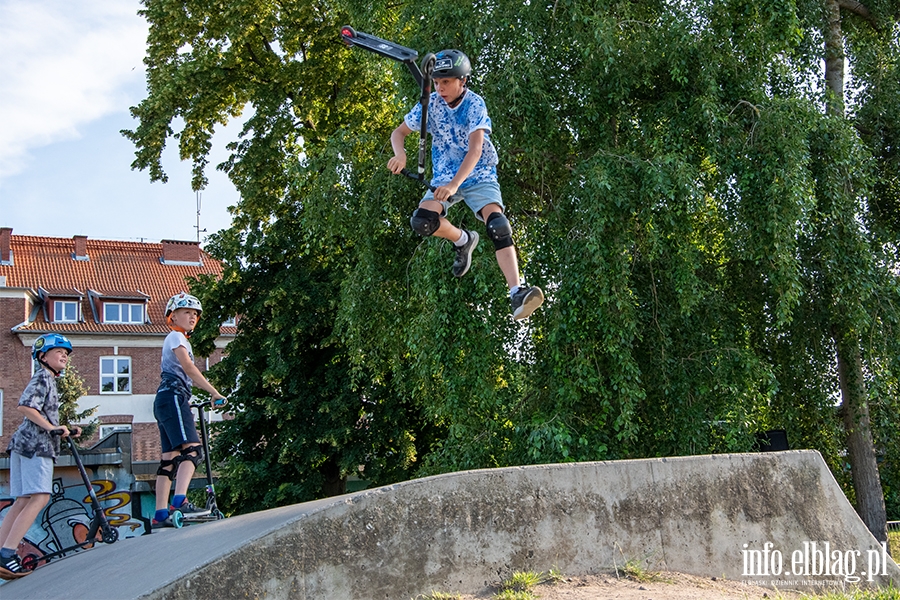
<point>65,521</point>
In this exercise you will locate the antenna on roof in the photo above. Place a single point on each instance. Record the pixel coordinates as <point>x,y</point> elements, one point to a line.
<point>197,226</point>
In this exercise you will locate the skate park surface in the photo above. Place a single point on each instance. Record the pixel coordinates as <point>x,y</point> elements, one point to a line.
<point>726,516</point>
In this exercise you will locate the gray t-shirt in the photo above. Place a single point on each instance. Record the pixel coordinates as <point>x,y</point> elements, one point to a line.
<point>30,439</point>
<point>169,364</point>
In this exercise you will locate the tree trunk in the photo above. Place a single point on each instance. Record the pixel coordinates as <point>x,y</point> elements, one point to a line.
<point>335,484</point>
<point>860,446</point>
<point>854,406</point>
<point>834,59</point>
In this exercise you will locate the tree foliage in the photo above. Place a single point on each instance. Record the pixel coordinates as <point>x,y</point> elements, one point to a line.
<point>705,231</point>
<point>71,386</point>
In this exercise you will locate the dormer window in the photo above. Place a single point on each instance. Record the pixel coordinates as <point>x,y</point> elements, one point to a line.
<point>61,305</point>
<point>65,311</point>
<point>122,312</point>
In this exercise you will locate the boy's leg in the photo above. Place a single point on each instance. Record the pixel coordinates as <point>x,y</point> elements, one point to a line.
<point>30,481</point>
<point>11,515</point>
<point>18,520</point>
<point>29,507</point>
<point>524,299</point>
<point>185,471</point>
<point>181,448</point>
<point>164,484</point>
<point>506,257</point>
<point>446,229</point>
<point>464,242</point>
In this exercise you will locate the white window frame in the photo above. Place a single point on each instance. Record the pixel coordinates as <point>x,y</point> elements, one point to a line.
<point>124,308</point>
<point>116,376</point>
<point>63,303</point>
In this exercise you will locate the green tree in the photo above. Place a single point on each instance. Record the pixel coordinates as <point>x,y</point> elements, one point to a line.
<point>306,415</point>
<point>716,240</point>
<point>71,387</point>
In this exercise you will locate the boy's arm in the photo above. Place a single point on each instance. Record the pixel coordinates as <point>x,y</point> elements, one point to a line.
<point>476,146</point>
<point>398,137</point>
<point>36,417</point>
<point>194,373</point>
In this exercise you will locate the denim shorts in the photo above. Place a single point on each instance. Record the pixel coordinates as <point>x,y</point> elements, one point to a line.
<point>175,419</point>
<point>29,476</point>
<point>476,197</point>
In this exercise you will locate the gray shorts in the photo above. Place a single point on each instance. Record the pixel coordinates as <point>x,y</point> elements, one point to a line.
<point>476,197</point>
<point>29,476</point>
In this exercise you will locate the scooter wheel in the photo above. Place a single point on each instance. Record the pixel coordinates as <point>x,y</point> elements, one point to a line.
<point>110,535</point>
<point>30,562</point>
<point>177,519</point>
<point>218,514</point>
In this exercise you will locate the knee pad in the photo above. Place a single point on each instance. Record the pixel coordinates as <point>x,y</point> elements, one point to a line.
<point>425,222</point>
<point>167,469</point>
<point>191,453</point>
<point>499,231</point>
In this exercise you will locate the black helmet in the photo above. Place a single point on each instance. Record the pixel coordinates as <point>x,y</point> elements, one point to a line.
<point>451,63</point>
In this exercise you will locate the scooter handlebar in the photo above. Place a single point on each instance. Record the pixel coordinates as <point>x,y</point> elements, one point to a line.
<point>453,199</point>
<point>60,430</point>
<point>217,403</point>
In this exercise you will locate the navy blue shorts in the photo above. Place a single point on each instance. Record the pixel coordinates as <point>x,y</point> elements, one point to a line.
<point>175,419</point>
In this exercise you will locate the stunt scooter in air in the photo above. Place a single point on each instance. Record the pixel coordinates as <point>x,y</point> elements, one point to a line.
<point>421,73</point>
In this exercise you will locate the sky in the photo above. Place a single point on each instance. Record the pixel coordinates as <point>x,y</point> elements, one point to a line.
<point>69,74</point>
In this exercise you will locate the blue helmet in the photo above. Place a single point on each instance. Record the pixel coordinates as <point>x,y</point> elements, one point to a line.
<point>48,342</point>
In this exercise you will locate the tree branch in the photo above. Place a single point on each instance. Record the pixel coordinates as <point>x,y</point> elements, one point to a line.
<point>859,9</point>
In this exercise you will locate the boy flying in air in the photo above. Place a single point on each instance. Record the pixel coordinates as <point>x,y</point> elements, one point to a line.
<point>464,162</point>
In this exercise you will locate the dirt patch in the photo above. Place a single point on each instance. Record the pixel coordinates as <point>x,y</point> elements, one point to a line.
<point>668,586</point>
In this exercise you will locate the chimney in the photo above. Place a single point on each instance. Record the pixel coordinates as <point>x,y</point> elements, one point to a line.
<point>181,253</point>
<point>80,248</point>
<point>6,255</point>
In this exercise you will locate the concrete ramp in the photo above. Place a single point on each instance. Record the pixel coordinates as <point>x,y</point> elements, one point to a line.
<point>772,519</point>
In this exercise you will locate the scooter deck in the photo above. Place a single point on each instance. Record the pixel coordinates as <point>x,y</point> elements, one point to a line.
<point>378,46</point>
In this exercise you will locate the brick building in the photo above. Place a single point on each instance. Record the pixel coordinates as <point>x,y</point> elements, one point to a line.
<point>108,298</point>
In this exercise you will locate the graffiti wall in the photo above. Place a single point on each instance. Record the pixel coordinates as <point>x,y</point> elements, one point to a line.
<point>66,520</point>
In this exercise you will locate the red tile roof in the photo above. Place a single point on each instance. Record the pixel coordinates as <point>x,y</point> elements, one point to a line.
<point>114,271</point>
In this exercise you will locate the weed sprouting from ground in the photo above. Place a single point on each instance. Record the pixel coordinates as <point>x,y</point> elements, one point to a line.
<point>635,571</point>
<point>520,585</point>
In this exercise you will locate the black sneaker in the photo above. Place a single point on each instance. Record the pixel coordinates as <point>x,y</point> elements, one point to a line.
<point>189,510</point>
<point>464,255</point>
<point>525,301</point>
<point>11,568</point>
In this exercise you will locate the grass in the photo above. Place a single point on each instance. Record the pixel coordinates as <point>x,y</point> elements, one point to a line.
<point>635,571</point>
<point>894,541</point>
<point>887,594</point>
<point>520,585</point>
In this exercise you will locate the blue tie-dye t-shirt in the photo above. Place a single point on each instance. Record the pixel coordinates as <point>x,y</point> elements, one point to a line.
<point>450,129</point>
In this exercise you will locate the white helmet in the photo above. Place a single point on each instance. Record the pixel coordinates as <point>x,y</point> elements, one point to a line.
<point>183,300</point>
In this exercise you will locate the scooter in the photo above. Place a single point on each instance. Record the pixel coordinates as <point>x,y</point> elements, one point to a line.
<point>420,72</point>
<point>214,514</point>
<point>99,522</point>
